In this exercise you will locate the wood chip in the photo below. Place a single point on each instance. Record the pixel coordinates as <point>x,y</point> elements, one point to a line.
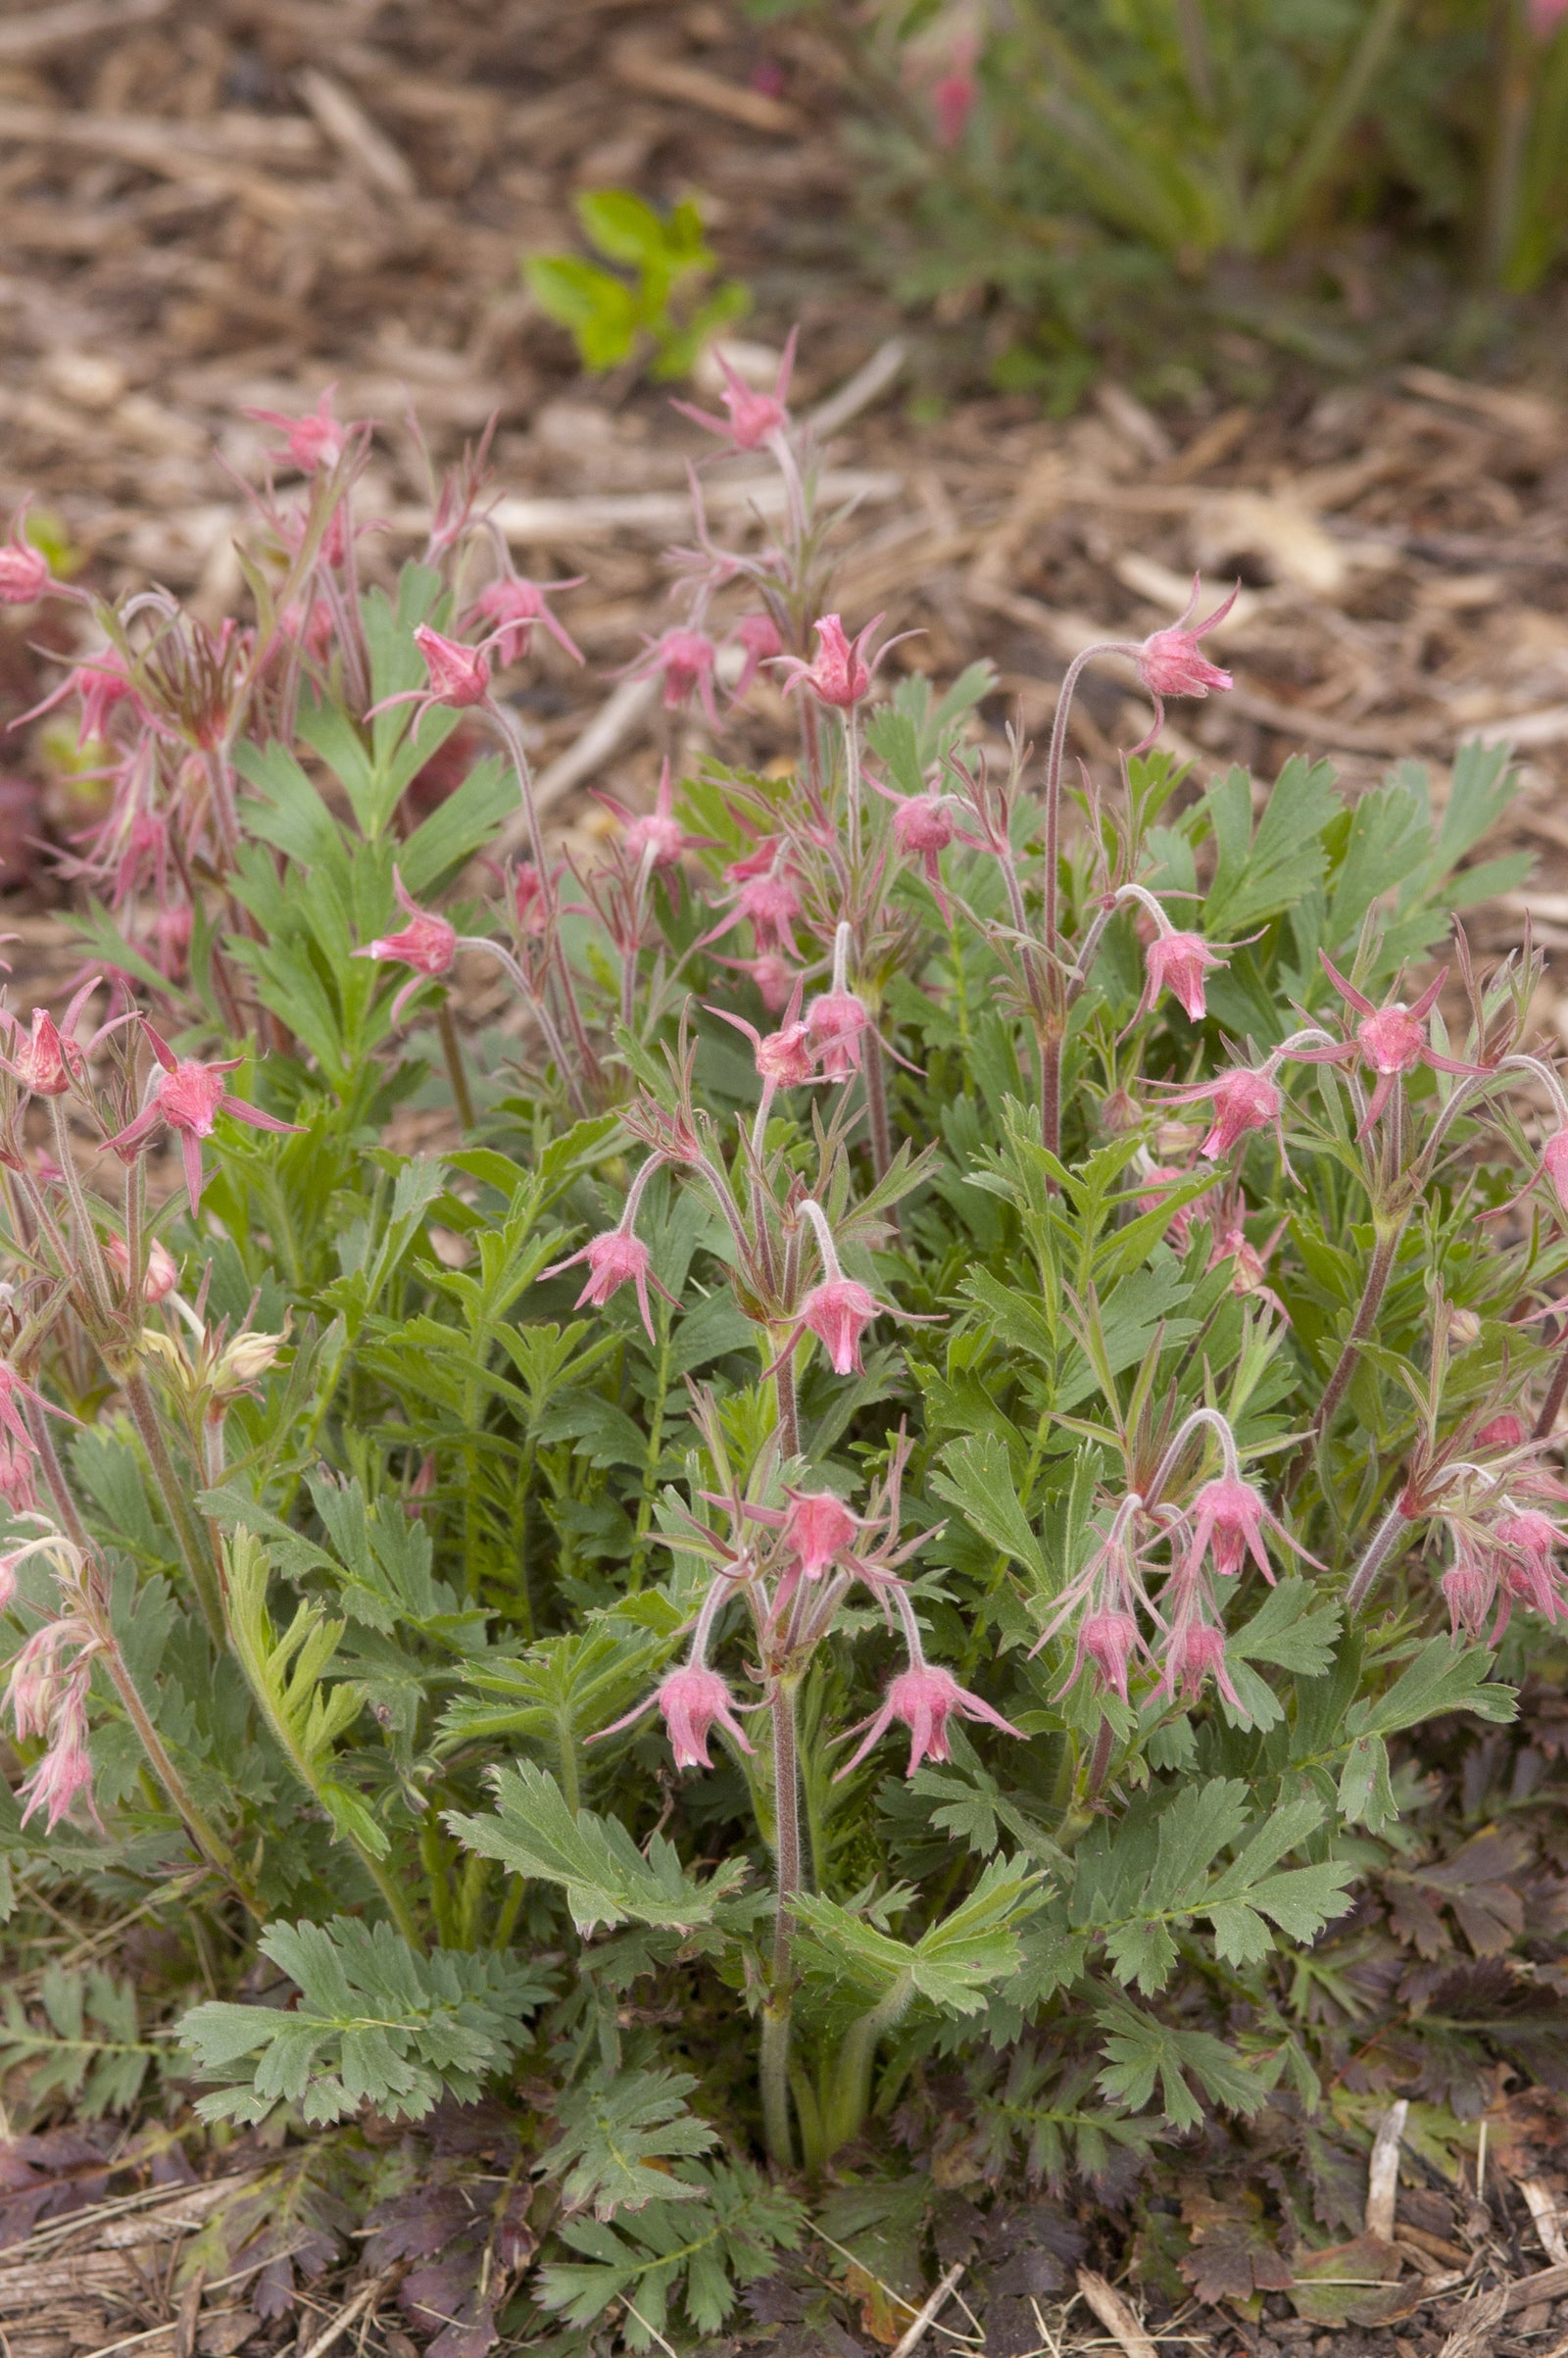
<point>1383,2173</point>
<point>350,129</point>
<point>1547,2215</point>
<point>638,65</point>
<point>1475,2336</point>
<point>1114,2315</point>
<point>532,523</point>
<point>1516,413</point>
<point>73,21</point>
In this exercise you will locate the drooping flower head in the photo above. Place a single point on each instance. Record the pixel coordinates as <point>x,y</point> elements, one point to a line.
<point>190,1096</point>
<point>514,606</point>
<point>656,835</point>
<point>161,1273</point>
<point>24,574</point>
<point>683,661</point>
<point>617,1257</point>
<point>819,1528</point>
<point>758,638</point>
<point>427,943</point>
<point>838,1313</point>
<point>1170,661</point>
<point>840,676</point>
<point>693,1699</point>
<point>753,415</point>
<point>1244,1099</point>
<point>1178,962</point>
<point>1230,1517</point>
<point>924,1699</point>
<point>317,440</point>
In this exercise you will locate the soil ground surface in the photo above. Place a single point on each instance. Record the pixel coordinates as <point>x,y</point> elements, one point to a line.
<point>213,205</point>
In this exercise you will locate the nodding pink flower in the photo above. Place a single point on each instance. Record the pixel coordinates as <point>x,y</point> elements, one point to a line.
<point>162,1274</point>
<point>1391,1040</point>
<point>1528,1541</point>
<point>615,1258</point>
<point>42,1062</point>
<point>818,1527</point>
<point>840,676</point>
<point>1554,1163</point>
<point>318,439</point>
<point>1545,16</point>
<point>1170,663</point>
<point>1230,1516</point>
<point>838,1313</point>
<point>784,1058</point>
<point>759,638</point>
<point>693,1699</point>
<point>1193,1651</point>
<point>460,675</point>
<point>190,1096</point>
<point>836,1021</point>
<point>1159,1180</point>
<point>1505,1432</point>
<point>512,607</point>
<point>1177,962</point>
<point>20,1491</point>
<point>656,835</point>
<point>24,574</point>
<point>530,899</point>
<point>1243,1099</point>
<point>101,682</point>
<point>955,94</point>
<point>1250,1272</point>
<point>1107,1641</point>
<point>64,1772</point>
<point>773,975</point>
<point>684,659</point>
<point>427,943</point>
<point>1470,1586</point>
<point>769,905</point>
<point>924,1699</point>
<point>753,415</point>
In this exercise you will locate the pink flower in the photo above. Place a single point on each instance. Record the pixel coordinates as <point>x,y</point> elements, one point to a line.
<point>102,682</point>
<point>753,415</point>
<point>615,1258</point>
<point>818,1527</point>
<point>460,675</point>
<point>161,1273</point>
<point>190,1096</point>
<point>693,1699</point>
<point>512,607</point>
<point>656,835</point>
<point>838,1313</point>
<point>1545,16</point>
<point>1193,1651</point>
<point>64,1772</point>
<point>1529,1540</point>
<point>1391,1040</point>
<point>840,674</point>
<point>1555,1162</point>
<point>758,635</point>
<point>530,899</point>
<point>1507,1432</point>
<point>924,1697</point>
<point>42,1063</point>
<point>955,94</point>
<point>315,440</point>
<point>1243,1099</point>
<point>783,1057</point>
<point>20,1491</point>
<point>1229,1515</point>
<point>427,944</point>
<point>1177,962</point>
<point>836,1021</point>
<point>24,574</point>
<point>1169,662</point>
<point>1470,1584</point>
<point>685,660</point>
<point>1107,1640</point>
<point>773,975</point>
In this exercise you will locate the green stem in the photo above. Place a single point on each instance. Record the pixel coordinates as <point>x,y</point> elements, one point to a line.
<point>187,1532</point>
<point>512,1910</point>
<point>651,1454</point>
<point>198,1825</point>
<point>434,1861</point>
<point>567,1751</point>
<point>1332,124</point>
<point>1377,1280</point>
<point>456,1072</point>
<point>849,2098</point>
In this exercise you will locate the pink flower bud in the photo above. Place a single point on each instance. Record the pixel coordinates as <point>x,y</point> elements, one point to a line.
<point>24,574</point>
<point>1228,1515</point>
<point>784,1056</point>
<point>161,1273</point>
<point>752,415</point>
<point>615,1258</point>
<point>693,1699</point>
<point>757,636</point>
<point>771,905</point>
<point>312,441</point>
<point>1507,1432</point>
<point>1170,663</point>
<point>1554,1159</point>
<point>1195,1652</point>
<point>512,607</point>
<point>838,1313</point>
<point>1107,1640</point>
<point>42,1063</point>
<point>840,676</point>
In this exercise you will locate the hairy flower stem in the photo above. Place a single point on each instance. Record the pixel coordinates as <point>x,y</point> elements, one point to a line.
<point>876,1104</point>
<point>1557,1390</point>
<point>187,1533</point>
<point>848,2098</point>
<point>1379,1549</point>
<point>452,1051</point>
<point>94,1268</point>
<point>1377,1280</point>
<point>775,2056</point>
<point>1100,1763</point>
<point>787,1414</point>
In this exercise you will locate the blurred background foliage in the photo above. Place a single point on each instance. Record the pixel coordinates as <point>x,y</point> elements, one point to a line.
<point>1354,180</point>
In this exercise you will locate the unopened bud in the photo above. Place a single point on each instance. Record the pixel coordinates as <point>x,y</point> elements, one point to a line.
<point>1174,1140</point>
<point>1464,1328</point>
<point>245,1361</point>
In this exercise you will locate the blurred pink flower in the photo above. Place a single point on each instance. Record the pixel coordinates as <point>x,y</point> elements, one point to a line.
<point>753,415</point>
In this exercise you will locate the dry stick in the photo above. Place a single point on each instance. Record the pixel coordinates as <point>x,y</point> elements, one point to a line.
<point>926,2315</point>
